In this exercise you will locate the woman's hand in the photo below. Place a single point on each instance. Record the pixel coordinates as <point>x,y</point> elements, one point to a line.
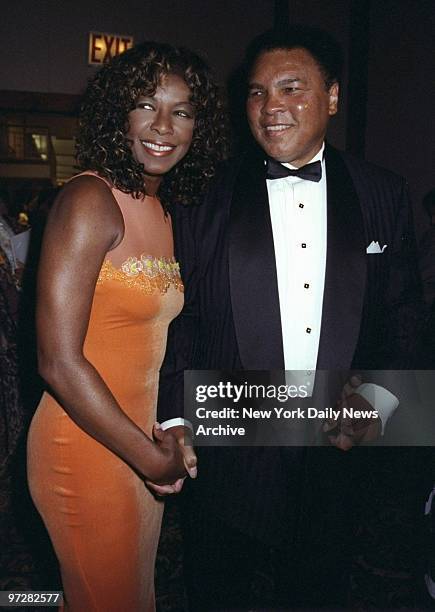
<point>180,435</point>
<point>167,466</point>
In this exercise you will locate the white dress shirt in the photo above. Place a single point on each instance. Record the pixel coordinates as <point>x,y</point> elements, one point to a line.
<point>298,212</point>
<point>298,215</point>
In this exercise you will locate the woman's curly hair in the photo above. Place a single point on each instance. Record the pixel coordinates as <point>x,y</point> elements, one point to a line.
<point>103,145</point>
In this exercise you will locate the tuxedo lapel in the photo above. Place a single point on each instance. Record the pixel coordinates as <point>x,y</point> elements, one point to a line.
<point>345,268</point>
<point>252,270</point>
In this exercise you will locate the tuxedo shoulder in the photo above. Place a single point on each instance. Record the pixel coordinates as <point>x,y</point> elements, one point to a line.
<point>226,171</point>
<point>221,186</point>
<point>372,171</point>
<point>223,179</point>
<point>214,204</point>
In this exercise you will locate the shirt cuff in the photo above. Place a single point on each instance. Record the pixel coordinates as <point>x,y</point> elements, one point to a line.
<point>430,584</point>
<point>175,423</point>
<point>381,399</point>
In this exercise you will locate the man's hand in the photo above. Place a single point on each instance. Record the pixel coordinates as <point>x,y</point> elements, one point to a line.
<point>183,435</point>
<point>352,384</point>
<point>346,432</point>
<point>349,389</point>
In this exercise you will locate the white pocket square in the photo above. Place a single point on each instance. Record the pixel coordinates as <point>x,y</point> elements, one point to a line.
<point>374,247</point>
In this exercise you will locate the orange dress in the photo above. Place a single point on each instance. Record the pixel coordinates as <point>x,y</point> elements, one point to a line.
<point>102,520</point>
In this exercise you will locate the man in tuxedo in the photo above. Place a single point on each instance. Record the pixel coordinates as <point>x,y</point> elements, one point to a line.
<point>301,257</point>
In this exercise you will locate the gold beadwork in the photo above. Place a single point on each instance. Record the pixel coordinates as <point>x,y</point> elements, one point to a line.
<point>149,274</point>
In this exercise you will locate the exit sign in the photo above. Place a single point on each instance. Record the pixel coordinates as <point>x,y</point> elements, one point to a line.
<point>103,46</point>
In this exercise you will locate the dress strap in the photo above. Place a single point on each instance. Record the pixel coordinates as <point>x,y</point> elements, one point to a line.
<point>92,173</point>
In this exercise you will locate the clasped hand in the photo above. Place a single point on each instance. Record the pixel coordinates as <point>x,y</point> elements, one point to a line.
<point>175,438</point>
<point>346,432</point>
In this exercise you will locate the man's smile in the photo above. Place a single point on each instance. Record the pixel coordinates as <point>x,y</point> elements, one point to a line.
<point>278,127</point>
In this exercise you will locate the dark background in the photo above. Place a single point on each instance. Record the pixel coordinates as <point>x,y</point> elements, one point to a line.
<point>388,95</point>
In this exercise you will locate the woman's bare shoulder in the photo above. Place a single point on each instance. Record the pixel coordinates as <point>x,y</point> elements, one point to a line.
<point>86,205</point>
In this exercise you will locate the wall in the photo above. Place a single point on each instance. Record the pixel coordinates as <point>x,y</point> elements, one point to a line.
<point>401,101</point>
<point>46,51</point>
<point>47,41</point>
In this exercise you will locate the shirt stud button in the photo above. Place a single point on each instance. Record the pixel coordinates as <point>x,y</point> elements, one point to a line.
<point>303,245</point>
<point>308,330</point>
<point>306,286</point>
<point>301,205</point>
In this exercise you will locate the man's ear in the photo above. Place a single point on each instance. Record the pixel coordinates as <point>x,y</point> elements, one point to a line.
<point>333,98</point>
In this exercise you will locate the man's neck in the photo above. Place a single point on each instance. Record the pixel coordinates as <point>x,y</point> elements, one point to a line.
<point>317,157</point>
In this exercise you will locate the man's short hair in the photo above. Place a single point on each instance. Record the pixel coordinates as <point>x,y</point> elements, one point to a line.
<point>320,44</point>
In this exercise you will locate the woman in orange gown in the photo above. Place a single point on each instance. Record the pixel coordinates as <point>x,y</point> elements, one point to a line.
<point>108,288</point>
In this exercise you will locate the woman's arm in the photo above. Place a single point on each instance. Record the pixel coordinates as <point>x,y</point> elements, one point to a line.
<point>84,224</point>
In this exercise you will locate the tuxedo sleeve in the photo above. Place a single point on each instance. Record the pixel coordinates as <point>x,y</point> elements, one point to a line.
<point>199,237</point>
<point>406,312</point>
<point>403,322</point>
<point>183,329</point>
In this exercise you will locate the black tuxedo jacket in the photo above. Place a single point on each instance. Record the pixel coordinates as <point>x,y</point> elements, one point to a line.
<point>231,320</point>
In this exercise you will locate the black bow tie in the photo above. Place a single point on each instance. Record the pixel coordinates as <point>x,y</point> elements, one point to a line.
<point>310,172</point>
